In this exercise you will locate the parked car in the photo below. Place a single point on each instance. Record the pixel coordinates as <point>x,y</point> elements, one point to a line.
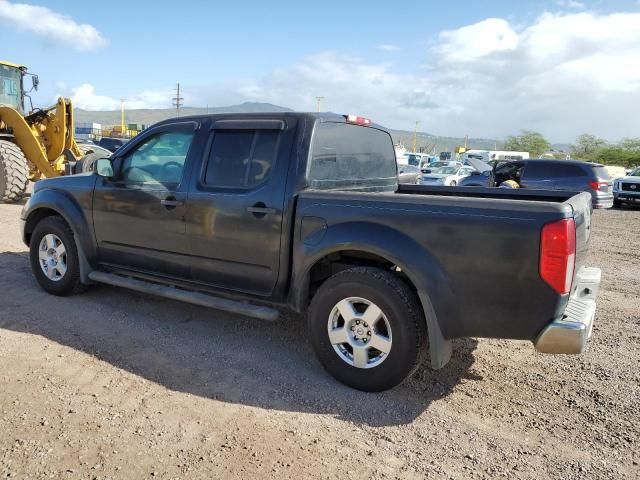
<point>112,144</point>
<point>412,158</point>
<point>626,190</point>
<point>251,213</point>
<point>543,174</point>
<point>445,176</point>
<point>408,174</point>
<point>439,164</point>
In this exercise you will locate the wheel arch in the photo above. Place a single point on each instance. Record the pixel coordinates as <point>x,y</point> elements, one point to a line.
<point>382,247</point>
<point>49,202</point>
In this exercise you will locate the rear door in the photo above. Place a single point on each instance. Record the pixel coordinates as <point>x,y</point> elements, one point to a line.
<point>236,203</point>
<point>538,174</point>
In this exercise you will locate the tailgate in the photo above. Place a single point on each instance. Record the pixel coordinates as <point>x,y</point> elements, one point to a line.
<point>582,207</point>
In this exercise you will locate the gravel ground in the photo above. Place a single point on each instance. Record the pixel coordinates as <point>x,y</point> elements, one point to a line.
<point>114,384</point>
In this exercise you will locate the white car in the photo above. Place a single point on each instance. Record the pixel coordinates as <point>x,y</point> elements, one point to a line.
<point>445,176</point>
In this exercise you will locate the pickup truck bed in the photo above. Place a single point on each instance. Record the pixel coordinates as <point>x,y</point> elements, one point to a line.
<point>304,211</point>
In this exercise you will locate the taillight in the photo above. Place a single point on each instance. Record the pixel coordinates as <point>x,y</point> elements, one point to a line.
<point>357,120</point>
<point>604,186</point>
<point>558,254</point>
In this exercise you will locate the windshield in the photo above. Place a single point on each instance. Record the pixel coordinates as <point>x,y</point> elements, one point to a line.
<point>351,157</point>
<point>10,87</point>
<point>446,170</point>
<point>635,173</point>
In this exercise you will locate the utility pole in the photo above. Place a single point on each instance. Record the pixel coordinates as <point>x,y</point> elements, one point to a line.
<point>122,130</point>
<point>177,100</point>
<point>319,99</point>
<point>415,137</point>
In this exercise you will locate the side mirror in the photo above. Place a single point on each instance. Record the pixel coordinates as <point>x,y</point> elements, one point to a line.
<point>486,173</point>
<point>103,167</point>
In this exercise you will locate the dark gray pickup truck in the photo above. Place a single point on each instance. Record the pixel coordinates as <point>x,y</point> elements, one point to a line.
<point>255,213</point>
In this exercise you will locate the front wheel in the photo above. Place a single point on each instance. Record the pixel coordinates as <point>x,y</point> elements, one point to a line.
<point>617,203</point>
<point>54,257</point>
<point>367,328</point>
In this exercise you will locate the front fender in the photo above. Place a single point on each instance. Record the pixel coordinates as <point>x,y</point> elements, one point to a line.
<point>74,213</point>
<point>421,268</point>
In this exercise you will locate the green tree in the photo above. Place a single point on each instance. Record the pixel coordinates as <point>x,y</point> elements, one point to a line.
<point>617,155</point>
<point>528,141</point>
<point>587,147</point>
<point>631,144</point>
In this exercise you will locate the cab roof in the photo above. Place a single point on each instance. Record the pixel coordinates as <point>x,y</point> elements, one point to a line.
<point>13,65</point>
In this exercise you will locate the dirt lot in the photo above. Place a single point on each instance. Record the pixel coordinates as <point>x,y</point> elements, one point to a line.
<point>114,384</point>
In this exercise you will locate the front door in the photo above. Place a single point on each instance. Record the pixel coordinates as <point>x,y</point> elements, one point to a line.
<point>139,214</point>
<point>236,203</point>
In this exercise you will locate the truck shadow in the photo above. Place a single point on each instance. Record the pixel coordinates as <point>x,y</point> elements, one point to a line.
<point>212,354</point>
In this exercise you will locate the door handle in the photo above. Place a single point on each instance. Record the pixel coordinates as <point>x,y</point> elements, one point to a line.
<point>260,209</point>
<point>171,202</point>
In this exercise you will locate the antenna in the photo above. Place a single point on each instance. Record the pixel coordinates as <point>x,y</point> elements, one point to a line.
<point>178,100</point>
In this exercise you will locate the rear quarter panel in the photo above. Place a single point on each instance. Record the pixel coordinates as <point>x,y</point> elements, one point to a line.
<point>476,258</point>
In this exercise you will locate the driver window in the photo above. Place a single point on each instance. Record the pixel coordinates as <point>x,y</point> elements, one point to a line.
<point>158,160</point>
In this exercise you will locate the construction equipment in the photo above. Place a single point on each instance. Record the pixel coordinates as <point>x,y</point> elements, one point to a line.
<point>34,145</point>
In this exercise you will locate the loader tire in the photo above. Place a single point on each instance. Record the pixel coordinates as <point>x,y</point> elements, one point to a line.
<point>88,162</point>
<point>14,172</point>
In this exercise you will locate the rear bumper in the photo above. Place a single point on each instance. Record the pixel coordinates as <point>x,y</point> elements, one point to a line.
<point>570,333</point>
<point>602,200</point>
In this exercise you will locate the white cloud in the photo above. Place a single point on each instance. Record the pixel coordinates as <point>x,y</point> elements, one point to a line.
<point>490,36</point>
<point>51,25</point>
<point>85,97</point>
<point>563,74</point>
<point>387,47</point>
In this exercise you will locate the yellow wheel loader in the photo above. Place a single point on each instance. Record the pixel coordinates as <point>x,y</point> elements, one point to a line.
<point>34,145</point>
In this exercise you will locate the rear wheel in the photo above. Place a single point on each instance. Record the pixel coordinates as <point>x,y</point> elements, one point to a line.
<point>367,328</point>
<point>14,172</point>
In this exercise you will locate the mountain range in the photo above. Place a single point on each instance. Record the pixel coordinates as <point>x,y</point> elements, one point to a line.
<point>424,140</point>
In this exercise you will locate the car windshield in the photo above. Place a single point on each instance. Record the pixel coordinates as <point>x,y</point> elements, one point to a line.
<point>446,170</point>
<point>635,173</point>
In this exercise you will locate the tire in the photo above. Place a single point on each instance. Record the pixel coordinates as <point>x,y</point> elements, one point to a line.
<point>87,162</point>
<point>617,203</point>
<point>400,329</point>
<point>14,172</point>
<point>58,283</point>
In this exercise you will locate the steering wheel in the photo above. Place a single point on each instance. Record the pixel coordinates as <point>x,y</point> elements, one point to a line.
<point>166,174</point>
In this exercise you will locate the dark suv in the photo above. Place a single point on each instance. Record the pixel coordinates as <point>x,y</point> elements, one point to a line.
<point>543,174</point>
<point>112,144</point>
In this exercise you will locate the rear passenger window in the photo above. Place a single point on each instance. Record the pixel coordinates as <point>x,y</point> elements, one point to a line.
<point>241,158</point>
<point>566,170</point>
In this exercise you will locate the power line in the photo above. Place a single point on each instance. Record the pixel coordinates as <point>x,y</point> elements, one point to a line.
<point>178,100</point>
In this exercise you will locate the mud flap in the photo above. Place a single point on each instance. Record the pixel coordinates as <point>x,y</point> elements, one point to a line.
<point>439,347</point>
